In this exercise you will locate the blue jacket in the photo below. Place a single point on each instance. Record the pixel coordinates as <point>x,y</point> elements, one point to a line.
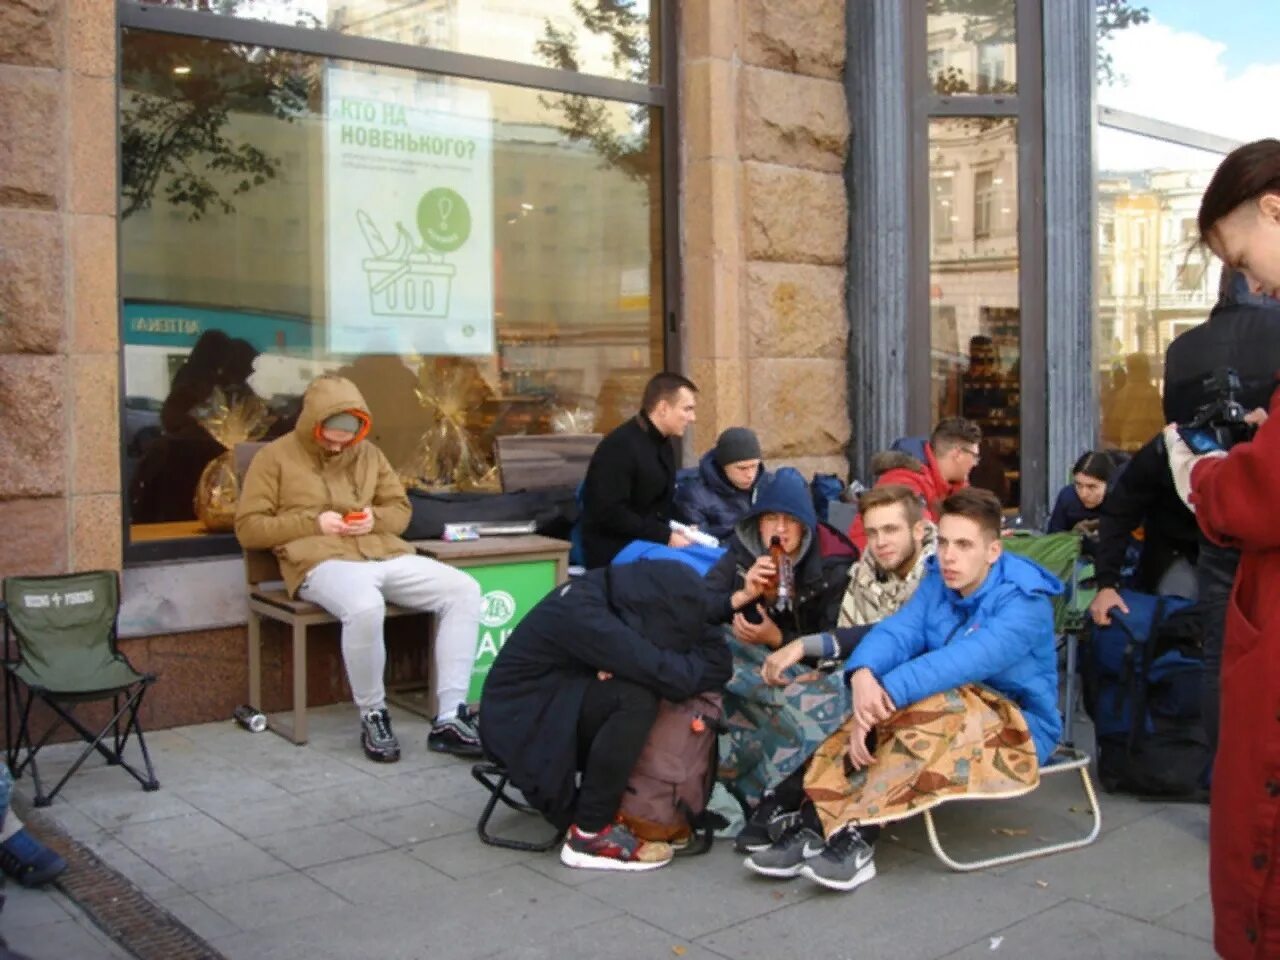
<point>1001,635</point>
<point>710,502</point>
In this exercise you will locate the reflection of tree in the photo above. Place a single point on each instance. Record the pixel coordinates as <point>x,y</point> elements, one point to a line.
<point>993,21</point>
<point>590,119</point>
<point>179,95</point>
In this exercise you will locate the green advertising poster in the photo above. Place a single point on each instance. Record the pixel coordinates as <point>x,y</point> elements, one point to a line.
<point>510,591</point>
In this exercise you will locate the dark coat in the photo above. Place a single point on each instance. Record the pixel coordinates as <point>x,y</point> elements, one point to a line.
<point>1143,495</point>
<point>628,490</point>
<point>654,633</point>
<point>822,571</point>
<point>710,502</point>
<point>1245,337</point>
<point>1068,510</point>
<point>1235,498</point>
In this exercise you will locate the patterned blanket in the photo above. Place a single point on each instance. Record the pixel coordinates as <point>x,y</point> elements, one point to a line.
<point>774,730</point>
<point>963,744</point>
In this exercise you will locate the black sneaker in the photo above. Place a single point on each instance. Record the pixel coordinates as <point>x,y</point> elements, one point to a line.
<point>787,855</point>
<point>380,744</point>
<point>458,735</point>
<point>846,862</point>
<point>766,824</point>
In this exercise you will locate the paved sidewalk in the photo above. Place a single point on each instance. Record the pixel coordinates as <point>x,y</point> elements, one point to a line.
<point>274,852</point>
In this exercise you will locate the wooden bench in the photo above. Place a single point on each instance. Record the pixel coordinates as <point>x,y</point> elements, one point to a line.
<point>268,599</point>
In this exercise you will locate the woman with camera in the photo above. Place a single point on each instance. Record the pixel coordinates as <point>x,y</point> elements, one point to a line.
<point>1234,496</point>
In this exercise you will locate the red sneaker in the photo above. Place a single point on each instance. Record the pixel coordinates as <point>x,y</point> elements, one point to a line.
<point>613,848</point>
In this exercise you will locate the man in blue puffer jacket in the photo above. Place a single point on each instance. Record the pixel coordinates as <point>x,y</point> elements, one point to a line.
<point>979,617</point>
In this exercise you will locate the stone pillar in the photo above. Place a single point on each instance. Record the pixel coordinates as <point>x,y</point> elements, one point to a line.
<point>59,343</point>
<point>764,131</point>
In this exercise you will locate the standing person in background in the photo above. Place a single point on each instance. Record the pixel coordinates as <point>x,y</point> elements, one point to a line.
<point>1234,496</point>
<point>1241,334</point>
<point>631,479</point>
<point>729,476</point>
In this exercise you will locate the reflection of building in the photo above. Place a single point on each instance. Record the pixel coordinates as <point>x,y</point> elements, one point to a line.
<point>974,350</point>
<point>1154,282</point>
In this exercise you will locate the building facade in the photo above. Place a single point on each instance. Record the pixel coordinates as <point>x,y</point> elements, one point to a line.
<point>843,219</point>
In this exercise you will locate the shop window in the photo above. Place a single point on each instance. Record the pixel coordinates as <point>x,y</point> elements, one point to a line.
<point>619,40</point>
<point>976,316</point>
<point>972,47</point>
<point>284,214</point>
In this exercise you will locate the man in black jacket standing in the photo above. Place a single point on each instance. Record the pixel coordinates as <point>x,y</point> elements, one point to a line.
<point>1242,333</point>
<point>631,480</point>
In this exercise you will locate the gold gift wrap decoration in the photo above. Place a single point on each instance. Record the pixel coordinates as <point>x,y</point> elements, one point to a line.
<point>447,455</point>
<point>573,420</point>
<point>240,420</point>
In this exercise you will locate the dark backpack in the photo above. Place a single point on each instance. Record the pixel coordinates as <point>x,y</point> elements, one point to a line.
<point>667,793</point>
<point>1142,680</point>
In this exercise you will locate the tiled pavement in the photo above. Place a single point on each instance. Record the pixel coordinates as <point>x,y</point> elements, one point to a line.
<point>274,852</point>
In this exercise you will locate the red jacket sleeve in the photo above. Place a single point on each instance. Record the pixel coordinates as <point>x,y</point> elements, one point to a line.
<point>1234,496</point>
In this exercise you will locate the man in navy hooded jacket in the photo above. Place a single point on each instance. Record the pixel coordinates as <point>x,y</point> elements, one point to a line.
<point>979,616</point>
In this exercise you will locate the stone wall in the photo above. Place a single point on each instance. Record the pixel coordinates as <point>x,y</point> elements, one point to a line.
<point>59,424</point>
<point>764,132</point>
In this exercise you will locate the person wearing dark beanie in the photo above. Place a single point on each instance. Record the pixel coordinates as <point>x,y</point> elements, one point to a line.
<point>725,486</point>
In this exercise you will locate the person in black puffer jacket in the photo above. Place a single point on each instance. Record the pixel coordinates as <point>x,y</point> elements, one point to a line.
<point>729,476</point>
<point>576,687</point>
<point>771,732</point>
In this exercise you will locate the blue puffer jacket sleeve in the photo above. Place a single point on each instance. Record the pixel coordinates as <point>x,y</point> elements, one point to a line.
<point>896,638</point>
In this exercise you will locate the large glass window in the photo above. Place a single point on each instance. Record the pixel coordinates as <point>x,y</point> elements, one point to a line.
<point>481,259</point>
<point>972,47</point>
<point>975,351</point>
<point>616,39</point>
<point>1164,130</point>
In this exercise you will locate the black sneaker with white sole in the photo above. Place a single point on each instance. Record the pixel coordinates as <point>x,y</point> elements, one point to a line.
<point>787,855</point>
<point>768,822</point>
<point>380,744</point>
<point>458,735</point>
<point>846,862</point>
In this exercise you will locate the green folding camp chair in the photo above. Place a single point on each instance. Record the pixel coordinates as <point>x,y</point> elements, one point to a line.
<point>1059,553</point>
<point>64,630</point>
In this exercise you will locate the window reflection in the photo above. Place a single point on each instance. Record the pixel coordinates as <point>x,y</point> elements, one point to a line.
<point>1154,281</point>
<point>972,47</point>
<point>975,316</point>
<point>617,39</point>
<point>232,262</point>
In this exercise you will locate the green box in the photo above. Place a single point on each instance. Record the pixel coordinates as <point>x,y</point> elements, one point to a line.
<point>510,591</point>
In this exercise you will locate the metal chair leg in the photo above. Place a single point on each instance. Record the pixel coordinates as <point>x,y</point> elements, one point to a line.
<point>497,787</point>
<point>967,866</point>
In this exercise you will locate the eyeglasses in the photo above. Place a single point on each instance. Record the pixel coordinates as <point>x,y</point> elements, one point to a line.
<point>973,452</point>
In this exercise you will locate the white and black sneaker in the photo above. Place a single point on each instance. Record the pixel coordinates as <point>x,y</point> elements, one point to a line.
<point>787,855</point>
<point>846,862</point>
<point>768,822</point>
<point>380,744</point>
<point>458,735</point>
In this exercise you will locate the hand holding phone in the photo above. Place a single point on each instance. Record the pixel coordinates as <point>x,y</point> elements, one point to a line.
<point>354,516</point>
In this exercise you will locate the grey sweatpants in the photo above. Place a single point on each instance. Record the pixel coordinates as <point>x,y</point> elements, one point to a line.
<point>356,592</point>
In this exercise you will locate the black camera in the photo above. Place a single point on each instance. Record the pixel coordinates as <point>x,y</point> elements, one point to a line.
<point>1219,423</point>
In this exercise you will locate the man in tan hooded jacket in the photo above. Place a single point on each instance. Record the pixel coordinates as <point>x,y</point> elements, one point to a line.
<point>328,504</point>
